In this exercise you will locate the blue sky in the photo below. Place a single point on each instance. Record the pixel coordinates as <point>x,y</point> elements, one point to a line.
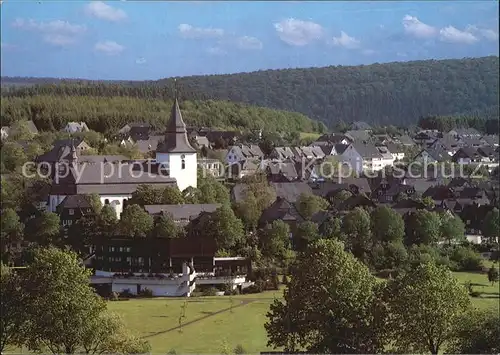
<point>135,40</point>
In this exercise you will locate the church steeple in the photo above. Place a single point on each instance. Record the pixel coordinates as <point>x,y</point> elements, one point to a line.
<point>176,140</point>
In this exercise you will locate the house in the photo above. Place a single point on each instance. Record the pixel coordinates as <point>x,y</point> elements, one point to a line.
<point>467,155</point>
<point>243,168</point>
<point>149,145</point>
<point>220,139</point>
<point>181,214</point>
<point>74,127</point>
<point>237,153</point>
<point>426,137</point>
<point>397,151</point>
<point>474,142</point>
<point>405,140</point>
<point>171,267</point>
<point>465,132</point>
<point>4,132</point>
<point>282,153</point>
<point>202,142</point>
<point>360,126</point>
<point>212,166</point>
<point>366,156</point>
<point>433,155</point>
<point>448,143</point>
<point>281,171</point>
<point>136,131</point>
<point>62,151</point>
<point>332,138</point>
<point>489,156</point>
<point>74,207</point>
<point>408,206</point>
<point>358,136</point>
<point>491,140</point>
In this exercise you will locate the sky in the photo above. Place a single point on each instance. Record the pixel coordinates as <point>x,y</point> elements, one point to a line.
<point>143,40</point>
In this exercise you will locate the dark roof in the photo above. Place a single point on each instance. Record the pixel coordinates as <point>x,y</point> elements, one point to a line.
<point>291,190</point>
<point>75,202</point>
<point>360,125</point>
<point>466,131</point>
<point>356,201</point>
<point>281,209</point>
<point>112,179</point>
<point>176,139</point>
<point>437,154</point>
<point>287,169</point>
<point>470,152</point>
<point>61,150</point>
<point>366,150</point>
<point>491,139</point>
<point>183,213</point>
<point>488,151</point>
<point>358,136</point>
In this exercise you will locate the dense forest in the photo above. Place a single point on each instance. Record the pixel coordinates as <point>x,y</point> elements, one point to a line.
<point>393,93</point>
<point>106,114</point>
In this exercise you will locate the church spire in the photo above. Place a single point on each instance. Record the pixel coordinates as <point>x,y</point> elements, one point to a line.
<point>176,140</point>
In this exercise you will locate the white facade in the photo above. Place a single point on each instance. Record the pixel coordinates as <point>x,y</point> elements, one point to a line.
<point>182,166</point>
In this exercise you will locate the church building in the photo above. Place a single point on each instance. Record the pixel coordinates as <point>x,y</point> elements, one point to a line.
<point>176,153</point>
<point>115,180</point>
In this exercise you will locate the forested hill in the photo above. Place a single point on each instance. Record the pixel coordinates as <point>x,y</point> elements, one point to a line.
<point>393,93</point>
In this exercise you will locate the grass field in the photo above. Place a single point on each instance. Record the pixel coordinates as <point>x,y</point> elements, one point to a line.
<point>309,135</point>
<point>206,331</point>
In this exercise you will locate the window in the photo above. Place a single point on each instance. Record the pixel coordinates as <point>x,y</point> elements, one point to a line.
<point>106,202</point>
<point>183,164</point>
<point>71,212</point>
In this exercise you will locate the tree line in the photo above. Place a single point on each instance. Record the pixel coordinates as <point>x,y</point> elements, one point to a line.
<point>383,94</point>
<point>485,122</point>
<point>107,114</point>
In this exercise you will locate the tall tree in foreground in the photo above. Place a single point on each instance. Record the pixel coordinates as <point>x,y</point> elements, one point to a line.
<point>13,315</point>
<point>327,306</point>
<point>424,306</point>
<point>491,225</point>
<point>65,314</point>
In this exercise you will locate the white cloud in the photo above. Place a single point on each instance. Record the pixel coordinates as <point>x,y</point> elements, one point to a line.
<point>191,32</point>
<point>453,35</point>
<point>140,60</point>
<point>297,32</point>
<point>103,11</point>
<point>250,43</point>
<point>414,27</point>
<point>109,47</point>
<point>346,41</point>
<point>56,32</point>
<point>488,34</point>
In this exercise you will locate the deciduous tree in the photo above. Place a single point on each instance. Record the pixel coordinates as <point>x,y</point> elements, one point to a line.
<point>425,304</point>
<point>320,311</point>
<point>135,221</point>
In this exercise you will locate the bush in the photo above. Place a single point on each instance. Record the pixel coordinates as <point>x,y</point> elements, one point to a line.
<point>251,289</point>
<point>146,293</point>
<point>212,291</point>
<point>238,350</point>
<point>126,294</point>
<point>465,259</point>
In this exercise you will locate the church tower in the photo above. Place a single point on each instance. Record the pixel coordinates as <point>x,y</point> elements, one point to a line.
<point>176,153</point>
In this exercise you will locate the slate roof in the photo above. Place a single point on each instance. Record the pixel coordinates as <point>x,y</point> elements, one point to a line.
<point>287,169</point>
<point>183,213</point>
<point>291,190</point>
<point>466,131</point>
<point>176,139</point>
<point>150,144</point>
<point>61,150</point>
<point>406,140</point>
<point>438,154</point>
<point>109,179</point>
<point>74,202</point>
<point>281,209</point>
<point>360,125</point>
<point>408,205</point>
<point>367,150</point>
<point>358,136</point>
<point>491,139</point>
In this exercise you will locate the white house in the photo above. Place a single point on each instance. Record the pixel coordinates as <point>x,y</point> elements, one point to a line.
<point>74,127</point>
